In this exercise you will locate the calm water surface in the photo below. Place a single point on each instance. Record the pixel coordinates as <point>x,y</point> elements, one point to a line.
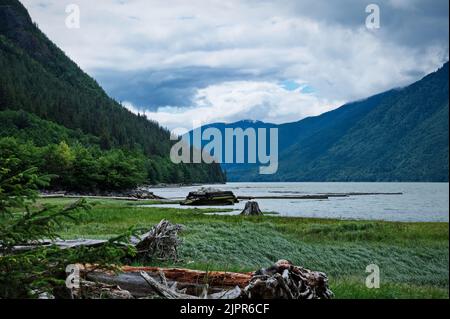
<point>428,202</point>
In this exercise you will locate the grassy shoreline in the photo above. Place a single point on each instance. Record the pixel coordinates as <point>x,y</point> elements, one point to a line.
<point>413,257</point>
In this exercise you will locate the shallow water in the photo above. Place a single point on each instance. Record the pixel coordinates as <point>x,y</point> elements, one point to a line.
<point>426,202</point>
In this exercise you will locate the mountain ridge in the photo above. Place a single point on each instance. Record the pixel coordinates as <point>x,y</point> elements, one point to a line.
<point>38,78</point>
<point>397,135</point>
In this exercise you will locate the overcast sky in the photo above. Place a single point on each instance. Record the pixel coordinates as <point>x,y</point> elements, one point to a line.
<point>270,60</point>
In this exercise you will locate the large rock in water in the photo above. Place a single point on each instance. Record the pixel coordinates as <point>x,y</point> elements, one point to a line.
<point>210,196</point>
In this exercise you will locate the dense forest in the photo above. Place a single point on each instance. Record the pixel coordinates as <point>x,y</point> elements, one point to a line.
<point>60,120</point>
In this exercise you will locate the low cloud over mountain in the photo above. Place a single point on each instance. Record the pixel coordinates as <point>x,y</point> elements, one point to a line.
<point>214,60</point>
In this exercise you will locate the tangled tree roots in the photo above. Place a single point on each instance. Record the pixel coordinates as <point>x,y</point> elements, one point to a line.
<point>286,281</point>
<point>160,242</point>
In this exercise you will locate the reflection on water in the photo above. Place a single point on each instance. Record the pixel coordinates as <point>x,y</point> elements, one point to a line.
<point>419,201</point>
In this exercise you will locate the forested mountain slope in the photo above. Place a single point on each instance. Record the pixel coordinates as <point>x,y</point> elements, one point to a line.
<point>36,77</point>
<point>399,135</point>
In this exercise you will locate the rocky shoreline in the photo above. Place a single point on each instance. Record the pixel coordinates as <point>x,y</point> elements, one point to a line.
<point>141,192</point>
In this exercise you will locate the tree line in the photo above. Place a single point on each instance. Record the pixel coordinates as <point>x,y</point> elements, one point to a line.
<point>75,121</point>
<point>78,162</point>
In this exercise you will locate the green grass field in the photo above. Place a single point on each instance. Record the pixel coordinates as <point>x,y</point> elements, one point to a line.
<point>413,257</point>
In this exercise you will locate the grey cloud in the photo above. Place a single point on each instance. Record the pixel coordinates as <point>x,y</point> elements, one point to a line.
<point>170,87</point>
<point>414,23</point>
<point>156,53</point>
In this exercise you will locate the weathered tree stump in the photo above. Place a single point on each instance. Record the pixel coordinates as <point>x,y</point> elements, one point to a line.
<point>251,209</point>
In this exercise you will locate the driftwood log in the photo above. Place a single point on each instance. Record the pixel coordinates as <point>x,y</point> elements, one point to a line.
<point>164,290</point>
<point>252,209</point>
<point>212,278</point>
<point>182,281</point>
<point>97,290</point>
<point>283,280</point>
<point>160,243</point>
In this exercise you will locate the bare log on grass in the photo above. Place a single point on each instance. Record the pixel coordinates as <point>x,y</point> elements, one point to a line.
<point>212,278</point>
<point>160,243</point>
<point>139,287</point>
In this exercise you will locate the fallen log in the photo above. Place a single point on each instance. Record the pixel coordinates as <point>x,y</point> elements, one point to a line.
<point>283,280</point>
<point>212,278</point>
<point>171,292</point>
<point>161,243</point>
<point>96,290</point>
<point>63,244</point>
<point>163,290</point>
<point>139,287</point>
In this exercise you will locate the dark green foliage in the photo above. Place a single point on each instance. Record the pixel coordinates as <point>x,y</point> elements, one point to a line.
<point>78,167</point>
<point>25,274</point>
<point>38,78</point>
<point>81,163</point>
<point>28,127</point>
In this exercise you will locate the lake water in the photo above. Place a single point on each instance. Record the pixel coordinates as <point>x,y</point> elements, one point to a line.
<point>427,202</point>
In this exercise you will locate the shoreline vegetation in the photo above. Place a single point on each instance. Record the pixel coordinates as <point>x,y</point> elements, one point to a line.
<point>413,257</point>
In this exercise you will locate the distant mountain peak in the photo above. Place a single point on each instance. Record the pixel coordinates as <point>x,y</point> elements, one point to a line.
<point>252,122</point>
<point>397,135</point>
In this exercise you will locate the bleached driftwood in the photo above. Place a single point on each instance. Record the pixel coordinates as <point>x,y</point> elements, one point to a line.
<point>160,243</point>
<point>97,290</point>
<point>163,289</point>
